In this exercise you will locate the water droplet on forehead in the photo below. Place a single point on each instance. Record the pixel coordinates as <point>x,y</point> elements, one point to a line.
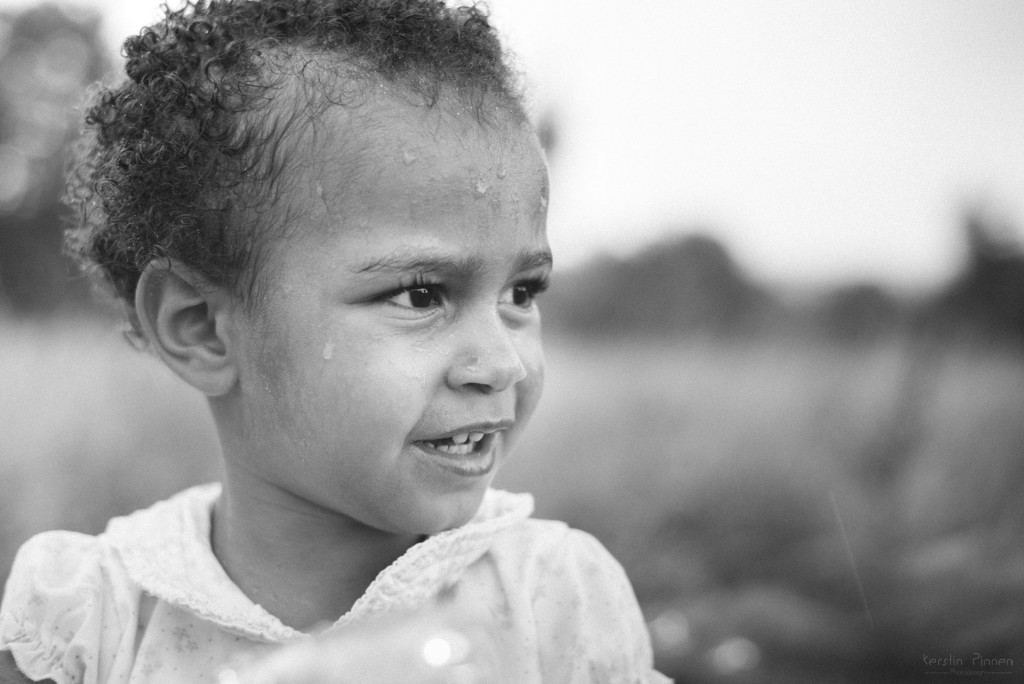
<point>501,172</point>
<point>543,202</point>
<point>319,190</point>
<point>408,157</point>
<point>328,351</point>
<point>227,676</point>
<point>480,188</point>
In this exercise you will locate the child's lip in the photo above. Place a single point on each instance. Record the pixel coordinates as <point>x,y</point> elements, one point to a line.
<point>476,463</point>
<point>485,427</point>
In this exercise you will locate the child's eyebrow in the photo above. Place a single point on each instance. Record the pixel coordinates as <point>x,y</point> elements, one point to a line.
<point>404,263</point>
<point>527,261</point>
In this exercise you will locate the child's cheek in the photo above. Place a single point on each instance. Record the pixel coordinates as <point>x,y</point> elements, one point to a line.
<point>379,377</point>
<point>530,389</point>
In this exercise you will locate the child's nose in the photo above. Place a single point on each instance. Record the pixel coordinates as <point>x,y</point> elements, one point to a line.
<point>487,357</point>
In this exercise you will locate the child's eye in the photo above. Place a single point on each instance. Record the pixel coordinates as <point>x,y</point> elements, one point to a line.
<point>417,297</point>
<point>523,294</point>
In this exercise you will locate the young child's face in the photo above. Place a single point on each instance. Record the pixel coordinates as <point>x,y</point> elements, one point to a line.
<point>397,356</point>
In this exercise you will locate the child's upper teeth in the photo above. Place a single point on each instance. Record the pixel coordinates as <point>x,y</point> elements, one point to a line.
<point>456,440</point>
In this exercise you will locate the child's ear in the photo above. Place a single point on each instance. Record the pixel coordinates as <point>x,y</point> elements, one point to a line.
<point>187,321</point>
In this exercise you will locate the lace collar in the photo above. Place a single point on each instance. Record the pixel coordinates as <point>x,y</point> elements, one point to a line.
<point>166,550</point>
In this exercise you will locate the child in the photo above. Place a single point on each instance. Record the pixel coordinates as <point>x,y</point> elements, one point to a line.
<point>329,217</point>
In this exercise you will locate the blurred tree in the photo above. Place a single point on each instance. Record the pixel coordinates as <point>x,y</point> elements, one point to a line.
<point>987,300</point>
<point>860,313</point>
<point>685,286</point>
<point>47,57</point>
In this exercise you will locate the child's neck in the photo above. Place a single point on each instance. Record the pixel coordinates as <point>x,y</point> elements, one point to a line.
<point>303,564</point>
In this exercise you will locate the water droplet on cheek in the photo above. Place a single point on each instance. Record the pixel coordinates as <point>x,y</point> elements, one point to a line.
<point>328,351</point>
<point>319,190</point>
<point>501,172</point>
<point>408,157</point>
<point>480,188</point>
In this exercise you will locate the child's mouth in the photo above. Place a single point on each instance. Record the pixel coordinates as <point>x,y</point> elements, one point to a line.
<point>457,445</point>
<point>467,454</point>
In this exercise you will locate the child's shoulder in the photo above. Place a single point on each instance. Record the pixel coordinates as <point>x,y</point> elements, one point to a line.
<point>579,594</point>
<point>65,589</point>
<point>59,565</point>
<point>68,593</point>
<point>85,565</point>
<point>56,562</point>
<point>540,549</point>
<point>540,539</point>
<point>57,547</point>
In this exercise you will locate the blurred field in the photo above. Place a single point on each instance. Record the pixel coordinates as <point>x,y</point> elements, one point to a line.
<point>788,510</point>
<point>791,511</point>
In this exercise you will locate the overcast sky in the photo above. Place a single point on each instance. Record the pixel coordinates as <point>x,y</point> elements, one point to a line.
<point>820,141</point>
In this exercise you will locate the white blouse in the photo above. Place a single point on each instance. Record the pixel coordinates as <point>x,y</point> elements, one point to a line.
<point>147,601</point>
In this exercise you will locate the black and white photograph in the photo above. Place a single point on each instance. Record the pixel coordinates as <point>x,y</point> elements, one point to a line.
<point>511,342</point>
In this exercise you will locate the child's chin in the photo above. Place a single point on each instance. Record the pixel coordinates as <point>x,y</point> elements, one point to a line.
<point>454,513</point>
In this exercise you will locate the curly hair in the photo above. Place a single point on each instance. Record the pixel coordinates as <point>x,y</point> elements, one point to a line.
<point>189,144</point>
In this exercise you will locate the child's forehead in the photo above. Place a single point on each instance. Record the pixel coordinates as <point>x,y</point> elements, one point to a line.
<point>387,139</point>
<point>389,161</point>
<point>387,125</point>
